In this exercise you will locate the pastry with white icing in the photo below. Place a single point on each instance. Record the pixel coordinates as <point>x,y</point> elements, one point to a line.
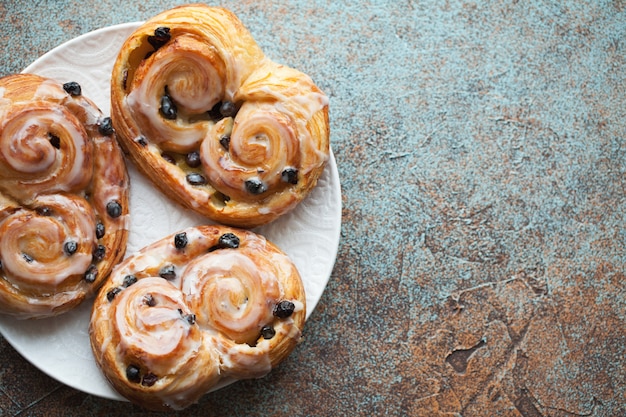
<point>63,197</point>
<point>200,308</point>
<point>216,125</point>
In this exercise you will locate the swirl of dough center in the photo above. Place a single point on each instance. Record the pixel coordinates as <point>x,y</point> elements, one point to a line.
<point>48,252</point>
<point>63,196</point>
<point>216,125</point>
<point>43,148</point>
<point>189,75</point>
<point>154,323</point>
<point>262,144</point>
<point>231,294</point>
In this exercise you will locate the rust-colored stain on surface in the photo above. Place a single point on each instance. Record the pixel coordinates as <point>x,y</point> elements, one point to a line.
<point>481,148</point>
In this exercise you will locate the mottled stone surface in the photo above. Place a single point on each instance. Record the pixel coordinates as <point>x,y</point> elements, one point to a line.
<point>481,149</point>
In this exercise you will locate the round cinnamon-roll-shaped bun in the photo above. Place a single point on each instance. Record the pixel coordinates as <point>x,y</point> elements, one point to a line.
<point>201,307</point>
<point>214,123</point>
<point>63,197</point>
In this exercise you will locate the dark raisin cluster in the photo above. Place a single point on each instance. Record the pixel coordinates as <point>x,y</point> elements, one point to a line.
<point>282,310</point>
<point>133,374</point>
<point>128,281</point>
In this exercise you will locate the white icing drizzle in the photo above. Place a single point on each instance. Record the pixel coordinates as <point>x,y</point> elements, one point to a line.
<point>26,148</point>
<point>299,305</point>
<point>47,161</point>
<point>301,107</point>
<point>32,246</point>
<point>192,81</point>
<point>161,332</point>
<point>254,361</point>
<point>229,292</point>
<point>263,142</point>
<point>271,129</point>
<point>49,90</point>
<point>91,113</point>
<point>205,325</point>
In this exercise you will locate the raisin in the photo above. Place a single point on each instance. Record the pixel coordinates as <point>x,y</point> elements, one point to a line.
<point>168,272</point>
<point>214,113</point>
<point>112,293</point>
<point>141,140</point>
<point>114,209</point>
<point>99,230</point>
<point>72,88</point>
<point>44,211</point>
<point>162,32</point>
<point>255,186</point>
<point>168,107</point>
<point>54,140</point>
<point>160,38</point>
<point>196,179</point>
<point>193,159</point>
<point>149,379</point>
<point>105,126</point>
<point>149,300</point>
<point>189,318</point>
<point>268,332</point>
<point>289,175</point>
<point>98,253</point>
<point>133,374</point>
<point>27,258</point>
<point>284,309</point>
<point>91,274</point>
<point>225,142</point>
<point>70,247</point>
<point>129,280</point>
<point>169,158</point>
<point>228,240</point>
<point>228,109</point>
<point>180,240</point>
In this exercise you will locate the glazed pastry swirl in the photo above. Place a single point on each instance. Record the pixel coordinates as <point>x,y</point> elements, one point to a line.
<point>60,168</point>
<point>200,307</point>
<point>154,336</point>
<point>245,286</point>
<point>217,125</point>
<point>32,162</point>
<point>36,248</point>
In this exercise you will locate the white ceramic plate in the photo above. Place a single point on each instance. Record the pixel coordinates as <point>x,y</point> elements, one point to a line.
<point>309,235</point>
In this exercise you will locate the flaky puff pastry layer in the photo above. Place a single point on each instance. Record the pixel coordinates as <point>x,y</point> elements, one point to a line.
<point>197,309</point>
<point>215,124</point>
<point>63,197</point>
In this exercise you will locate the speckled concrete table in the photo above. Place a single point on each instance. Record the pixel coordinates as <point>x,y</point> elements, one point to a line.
<point>481,150</point>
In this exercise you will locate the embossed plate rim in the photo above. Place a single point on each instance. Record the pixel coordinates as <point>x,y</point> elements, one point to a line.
<point>35,340</point>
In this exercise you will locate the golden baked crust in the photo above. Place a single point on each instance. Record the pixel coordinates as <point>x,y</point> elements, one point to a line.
<point>207,304</point>
<point>63,197</point>
<point>215,124</point>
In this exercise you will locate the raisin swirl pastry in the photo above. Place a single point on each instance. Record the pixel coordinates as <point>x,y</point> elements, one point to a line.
<point>219,127</point>
<point>63,197</point>
<point>208,305</point>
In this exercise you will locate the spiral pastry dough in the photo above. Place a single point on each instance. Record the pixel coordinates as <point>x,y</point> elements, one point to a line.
<point>63,197</point>
<point>198,308</point>
<point>219,127</point>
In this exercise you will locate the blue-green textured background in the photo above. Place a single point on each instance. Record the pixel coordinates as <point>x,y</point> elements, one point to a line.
<point>481,151</point>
